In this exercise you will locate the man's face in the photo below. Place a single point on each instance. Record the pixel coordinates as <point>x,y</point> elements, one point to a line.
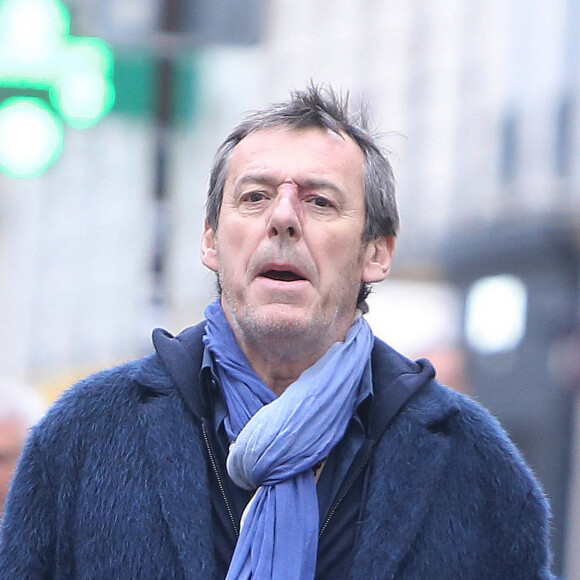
<point>12,436</point>
<point>288,248</point>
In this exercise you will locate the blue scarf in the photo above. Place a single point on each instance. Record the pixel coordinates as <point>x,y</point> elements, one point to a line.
<point>278,441</point>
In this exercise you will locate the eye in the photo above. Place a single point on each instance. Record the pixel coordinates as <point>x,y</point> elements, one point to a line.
<point>320,201</point>
<point>254,196</point>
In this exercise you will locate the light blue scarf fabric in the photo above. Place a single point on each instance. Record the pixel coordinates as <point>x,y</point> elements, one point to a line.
<point>277,442</point>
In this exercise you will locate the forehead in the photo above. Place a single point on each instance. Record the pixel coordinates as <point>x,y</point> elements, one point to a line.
<point>299,154</point>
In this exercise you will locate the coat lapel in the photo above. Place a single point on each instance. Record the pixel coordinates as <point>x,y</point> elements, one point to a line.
<point>408,465</point>
<point>179,471</point>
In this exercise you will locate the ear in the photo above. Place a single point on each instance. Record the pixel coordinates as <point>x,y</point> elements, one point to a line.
<point>378,256</point>
<point>209,253</point>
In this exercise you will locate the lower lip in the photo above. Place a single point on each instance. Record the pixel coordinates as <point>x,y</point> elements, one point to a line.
<point>282,285</point>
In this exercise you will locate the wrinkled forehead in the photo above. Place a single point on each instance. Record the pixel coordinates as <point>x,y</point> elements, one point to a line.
<point>311,150</point>
<point>340,139</point>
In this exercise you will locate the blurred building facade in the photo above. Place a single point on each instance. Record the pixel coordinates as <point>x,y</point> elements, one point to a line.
<point>478,102</point>
<point>486,96</point>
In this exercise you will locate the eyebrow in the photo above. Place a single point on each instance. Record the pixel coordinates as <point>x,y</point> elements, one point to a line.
<point>267,179</point>
<point>262,178</point>
<point>314,183</point>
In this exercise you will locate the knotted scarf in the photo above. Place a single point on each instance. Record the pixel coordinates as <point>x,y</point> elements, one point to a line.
<point>276,443</point>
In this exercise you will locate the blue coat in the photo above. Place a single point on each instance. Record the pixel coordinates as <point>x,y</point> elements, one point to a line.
<point>113,484</point>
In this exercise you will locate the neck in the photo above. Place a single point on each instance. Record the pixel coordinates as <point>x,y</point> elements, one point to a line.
<point>280,359</point>
<point>277,369</point>
<point>279,354</point>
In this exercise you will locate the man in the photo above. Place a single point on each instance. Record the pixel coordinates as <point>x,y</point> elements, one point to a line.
<point>279,439</point>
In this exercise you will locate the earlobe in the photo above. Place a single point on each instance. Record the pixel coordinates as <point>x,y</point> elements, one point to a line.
<point>209,253</point>
<point>379,253</point>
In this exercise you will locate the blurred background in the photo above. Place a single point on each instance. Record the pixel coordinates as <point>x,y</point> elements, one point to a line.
<point>111,111</point>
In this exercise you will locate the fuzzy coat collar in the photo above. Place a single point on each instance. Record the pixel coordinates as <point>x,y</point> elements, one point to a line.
<point>406,470</point>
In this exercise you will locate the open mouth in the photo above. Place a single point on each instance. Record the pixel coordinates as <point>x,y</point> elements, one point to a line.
<point>282,275</point>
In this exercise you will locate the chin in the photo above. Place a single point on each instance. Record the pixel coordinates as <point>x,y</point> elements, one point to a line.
<point>281,319</point>
<point>272,321</point>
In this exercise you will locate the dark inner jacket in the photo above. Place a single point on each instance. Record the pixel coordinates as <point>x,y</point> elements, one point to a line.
<point>338,525</point>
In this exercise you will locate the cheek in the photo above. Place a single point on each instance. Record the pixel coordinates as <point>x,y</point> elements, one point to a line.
<point>346,248</point>
<point>242,234</point>
<point>342,259</point>
<point>232,246</point>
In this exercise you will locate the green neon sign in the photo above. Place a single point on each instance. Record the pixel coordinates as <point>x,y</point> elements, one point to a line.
<point>31,137</point>
<point>38,53</point>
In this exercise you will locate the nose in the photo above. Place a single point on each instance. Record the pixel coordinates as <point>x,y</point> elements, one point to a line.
<point>284,220</point>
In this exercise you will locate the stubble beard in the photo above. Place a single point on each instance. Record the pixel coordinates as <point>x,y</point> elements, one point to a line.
<point>260,326</point>
<point>288,337</point>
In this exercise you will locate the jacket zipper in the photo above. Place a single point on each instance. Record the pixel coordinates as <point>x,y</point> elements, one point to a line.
<point>345,492</point>
<point>219,479</point>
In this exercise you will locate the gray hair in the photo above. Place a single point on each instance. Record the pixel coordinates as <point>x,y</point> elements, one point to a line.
<point>319,107</point>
